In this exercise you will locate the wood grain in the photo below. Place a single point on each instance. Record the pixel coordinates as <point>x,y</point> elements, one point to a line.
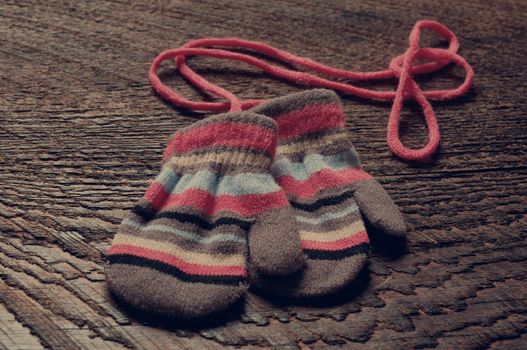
<point>82,133</point>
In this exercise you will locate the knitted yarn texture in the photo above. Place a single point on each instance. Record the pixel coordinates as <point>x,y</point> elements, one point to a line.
<point>319,170</point>
<point>271,192</point>
<point>183,249</point>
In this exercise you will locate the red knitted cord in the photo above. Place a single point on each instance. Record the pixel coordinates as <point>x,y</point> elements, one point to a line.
<point>401,67</point>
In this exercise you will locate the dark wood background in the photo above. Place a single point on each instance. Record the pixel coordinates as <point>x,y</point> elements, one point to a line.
<point>82,133</point>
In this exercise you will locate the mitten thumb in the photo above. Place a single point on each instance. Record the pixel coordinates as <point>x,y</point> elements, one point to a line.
<point>274,243</point>
<point>378,208</point>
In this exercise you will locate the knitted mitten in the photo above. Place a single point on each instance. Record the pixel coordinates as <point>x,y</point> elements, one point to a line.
<point>319,170</point>
<point>182,250</point>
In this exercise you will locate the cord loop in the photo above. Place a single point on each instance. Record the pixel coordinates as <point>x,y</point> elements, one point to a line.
<point>401,67</point>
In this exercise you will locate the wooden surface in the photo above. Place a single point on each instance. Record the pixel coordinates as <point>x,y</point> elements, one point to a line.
<point>81,135</point>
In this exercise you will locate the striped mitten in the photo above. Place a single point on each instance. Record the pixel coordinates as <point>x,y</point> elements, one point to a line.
<point>183,249</point>
<point>319,170</point>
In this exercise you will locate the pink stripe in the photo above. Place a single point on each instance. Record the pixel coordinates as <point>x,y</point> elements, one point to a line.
<point>356,239</point>
<point>156,195</point>
<point>310,119</point>
<point>209,204</point>
<point>323,179</point>
<point>221,134</point>
<point>194,269</point>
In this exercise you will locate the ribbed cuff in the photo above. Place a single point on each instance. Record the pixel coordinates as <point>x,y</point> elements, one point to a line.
<point>231,139</point>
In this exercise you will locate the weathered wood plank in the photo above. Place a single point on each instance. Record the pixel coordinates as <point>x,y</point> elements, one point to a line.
<point>14,335</point>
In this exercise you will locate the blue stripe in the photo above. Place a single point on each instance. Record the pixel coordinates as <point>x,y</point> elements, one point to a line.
<point>191,236</point>
<point>329,216</point>
<point>205,180</point>
<point>313,163</point>
<point>167,178</point>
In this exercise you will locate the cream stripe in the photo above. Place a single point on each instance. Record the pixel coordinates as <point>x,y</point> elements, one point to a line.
<point>180,253</point>
<point>332,236</point>
<point>191,236</point>
<point>320,219</point>
<point>220,157</point>
<point>310,144</point>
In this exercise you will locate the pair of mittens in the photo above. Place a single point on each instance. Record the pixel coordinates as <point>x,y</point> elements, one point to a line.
<point>275,196</point>
<point>184,249</point>
<point>319,170</point>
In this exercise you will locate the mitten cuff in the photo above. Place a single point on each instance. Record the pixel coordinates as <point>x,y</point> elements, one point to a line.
<point>230,139</point>
<point>303,113</point>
